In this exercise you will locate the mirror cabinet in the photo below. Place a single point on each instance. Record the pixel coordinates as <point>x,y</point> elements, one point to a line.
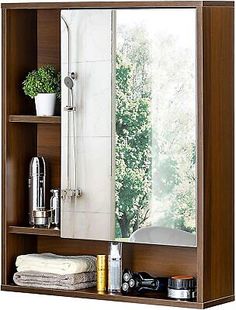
<point>142,145</point>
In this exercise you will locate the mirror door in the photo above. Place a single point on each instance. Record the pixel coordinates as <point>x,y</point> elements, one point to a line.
<point>132,139</point>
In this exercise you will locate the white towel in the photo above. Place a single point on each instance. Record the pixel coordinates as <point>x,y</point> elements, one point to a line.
<point>57,264</point>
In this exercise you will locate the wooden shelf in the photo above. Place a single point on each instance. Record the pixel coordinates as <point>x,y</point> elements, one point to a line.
<point>92,293</point>
<point>34,119</point>
<point>34,231</point>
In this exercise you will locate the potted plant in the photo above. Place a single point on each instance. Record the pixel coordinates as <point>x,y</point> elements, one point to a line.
<point>43,85</point>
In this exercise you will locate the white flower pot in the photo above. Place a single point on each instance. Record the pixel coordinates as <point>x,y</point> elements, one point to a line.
<point>45,104</point>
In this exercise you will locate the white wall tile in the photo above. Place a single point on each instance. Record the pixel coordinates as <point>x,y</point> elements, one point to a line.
<point>93,173</point>
<point>90,35</point>
<point>91,60</point>
<point>92,98</point>
<point>92,226</point>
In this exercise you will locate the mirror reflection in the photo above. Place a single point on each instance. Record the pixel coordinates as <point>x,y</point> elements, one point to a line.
<point>155,121</point>
<point>133,132</point>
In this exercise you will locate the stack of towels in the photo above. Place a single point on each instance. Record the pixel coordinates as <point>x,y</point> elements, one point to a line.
<point>56,272</point>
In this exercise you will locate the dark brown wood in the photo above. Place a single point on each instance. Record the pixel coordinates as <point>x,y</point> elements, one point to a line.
<point>49,146</point>
<point>115,4</point>
<point>19,44</point>
<point>92,293</point>
<point>218,3</point>
<point>217,257</point>
<point>31,38</point>
<point>34,119</point>
<point>21,53</point>
<point>200,155</point>
<point>48,37</point>
<point>4,149</point>
<point>33,231</point>
<point>163,260</point>
<point>157,260</point>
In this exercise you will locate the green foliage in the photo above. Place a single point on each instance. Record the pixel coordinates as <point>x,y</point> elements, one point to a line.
<point>133,143</point>
<point>43,80</point>
<point>155,162</point>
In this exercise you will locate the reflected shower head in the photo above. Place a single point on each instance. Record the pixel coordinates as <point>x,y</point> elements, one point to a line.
<point>68,82</point>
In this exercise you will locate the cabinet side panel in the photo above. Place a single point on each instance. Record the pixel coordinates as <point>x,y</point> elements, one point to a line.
<point>19,141</point>
<point>218,248</point>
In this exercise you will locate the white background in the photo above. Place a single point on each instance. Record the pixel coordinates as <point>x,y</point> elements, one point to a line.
<point>23,301</point>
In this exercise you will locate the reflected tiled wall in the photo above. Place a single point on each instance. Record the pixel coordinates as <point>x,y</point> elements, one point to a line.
<point>90,216</point>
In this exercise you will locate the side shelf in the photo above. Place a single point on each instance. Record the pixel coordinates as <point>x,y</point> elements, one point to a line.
<point>92,293</point>
<point>33,231</point>
<point>34,119</point>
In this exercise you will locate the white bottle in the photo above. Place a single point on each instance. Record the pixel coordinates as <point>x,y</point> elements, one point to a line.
<point>115,267</point>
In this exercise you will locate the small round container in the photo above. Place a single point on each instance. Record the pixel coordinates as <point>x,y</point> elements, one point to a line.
<point>182,288</point>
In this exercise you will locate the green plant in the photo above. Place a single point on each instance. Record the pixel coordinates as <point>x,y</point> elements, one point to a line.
<point>43,80</point>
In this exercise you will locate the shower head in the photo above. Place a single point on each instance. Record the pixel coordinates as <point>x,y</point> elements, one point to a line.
<point>68,82</point>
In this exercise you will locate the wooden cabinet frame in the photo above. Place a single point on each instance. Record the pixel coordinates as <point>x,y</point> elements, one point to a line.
<point>31,38</point>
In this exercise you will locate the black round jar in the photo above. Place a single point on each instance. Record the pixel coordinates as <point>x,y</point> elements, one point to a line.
<point>182,287</point>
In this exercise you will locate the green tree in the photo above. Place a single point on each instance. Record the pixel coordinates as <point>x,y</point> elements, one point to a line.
<point>155,146</point>
<point>133,136</point>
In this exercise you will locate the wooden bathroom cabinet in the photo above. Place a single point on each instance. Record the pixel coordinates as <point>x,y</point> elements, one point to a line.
<point>31,38</point>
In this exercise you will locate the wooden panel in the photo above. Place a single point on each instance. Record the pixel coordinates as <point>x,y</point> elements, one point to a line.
<point>33,231</point>
<point>158,260</point>
<point>17,245</point>
<point>21,147</point>
<point>155,299</point>
<point>19,57</point>
<point>218,217</point>
<point>34,119</point>
<point>116,4</point>
<point>49,146</point>
<point>163,260</point>
<point>48,35</point>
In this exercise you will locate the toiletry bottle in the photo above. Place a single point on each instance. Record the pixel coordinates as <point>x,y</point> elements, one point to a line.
<point>55,209</point>
<point>115,267</point>
<point>101,273</point>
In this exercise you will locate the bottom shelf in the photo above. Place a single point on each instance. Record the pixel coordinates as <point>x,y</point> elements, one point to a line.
<point>93,294</point>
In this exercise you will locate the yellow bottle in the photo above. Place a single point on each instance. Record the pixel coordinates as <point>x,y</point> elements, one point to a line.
<point>101,273</point>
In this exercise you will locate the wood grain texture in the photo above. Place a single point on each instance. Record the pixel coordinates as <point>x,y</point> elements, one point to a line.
<point>158,260</point>
<point>200,155</point>
<point>49,146</point>
<point>27,44</point>
<point>4,149</point>
<point>115,4</point>
<point>33,231</point>
<point>92,293</point>
<point>218,115</point>
<point>48,38</point>
<point>21,53</point>
<point>19,57</point>
<point>163,260</point>
<point>34,119</point>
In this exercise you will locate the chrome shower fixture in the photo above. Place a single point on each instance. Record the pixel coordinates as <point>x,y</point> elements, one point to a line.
<point>71,191</point>
<point>68,82</point>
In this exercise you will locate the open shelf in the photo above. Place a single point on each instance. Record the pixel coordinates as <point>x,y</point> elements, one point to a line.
<point>34,119</point>
<point>92,293</point>
<point>33,231</point>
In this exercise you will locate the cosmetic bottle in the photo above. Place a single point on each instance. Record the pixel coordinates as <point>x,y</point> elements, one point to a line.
<point>101,274</point>
<point>115,267</point>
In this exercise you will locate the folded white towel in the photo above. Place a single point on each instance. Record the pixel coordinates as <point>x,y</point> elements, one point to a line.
<point>57,264</point>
